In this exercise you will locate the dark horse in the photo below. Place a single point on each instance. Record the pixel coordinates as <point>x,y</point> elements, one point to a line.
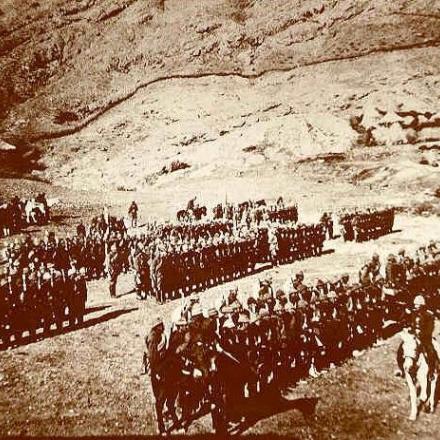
<point>179,389</point>
<point>195,213</point>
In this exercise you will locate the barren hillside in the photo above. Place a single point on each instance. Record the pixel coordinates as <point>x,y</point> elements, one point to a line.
<point>65,62</point>
<point>128,94</point>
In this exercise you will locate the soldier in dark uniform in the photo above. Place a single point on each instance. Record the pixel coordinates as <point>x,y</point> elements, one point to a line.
<point>133,213</point>
<point>114,269</point>
<point>422,323</point>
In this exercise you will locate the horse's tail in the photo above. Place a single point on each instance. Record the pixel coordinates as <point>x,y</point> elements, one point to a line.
<point>400,358</point>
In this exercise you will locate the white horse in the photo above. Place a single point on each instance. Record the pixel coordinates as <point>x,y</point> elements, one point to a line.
<point>30,209</point>
<point>421,373</point>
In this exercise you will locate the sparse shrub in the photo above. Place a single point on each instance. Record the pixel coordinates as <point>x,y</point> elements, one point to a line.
<point>423,161</point>
<point>178,165</point>
<point>175,165</point>
<point>249,149</point>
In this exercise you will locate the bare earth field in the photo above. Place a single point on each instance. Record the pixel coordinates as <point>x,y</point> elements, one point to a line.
<point>87,381</point>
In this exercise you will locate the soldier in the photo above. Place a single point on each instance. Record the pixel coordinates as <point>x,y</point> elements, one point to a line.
<point>113,269</point>
<point>133,214</point>
<point>422,324</point>
<point>142,276</point>
<point>365,276</point>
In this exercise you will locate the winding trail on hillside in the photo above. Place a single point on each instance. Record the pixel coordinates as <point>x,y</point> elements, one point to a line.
<point>182,76</point>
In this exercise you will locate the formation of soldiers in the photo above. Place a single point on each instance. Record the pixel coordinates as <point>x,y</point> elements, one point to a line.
<point>172,266</point>
<point>366,225</point>
<point>232,352</point>
<point>255,212</point>
<point>17,214</point>
<point>38,297</point>
<point>292,243</point>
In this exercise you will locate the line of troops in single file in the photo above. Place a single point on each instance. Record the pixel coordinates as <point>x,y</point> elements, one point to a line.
<point>278,337</point>
<point>369,224</point>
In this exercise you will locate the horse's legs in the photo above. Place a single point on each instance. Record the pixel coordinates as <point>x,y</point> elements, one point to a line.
<point>422,376</point>
<point>432,392</point>
<point>410,380</point>
<point>159,414</point>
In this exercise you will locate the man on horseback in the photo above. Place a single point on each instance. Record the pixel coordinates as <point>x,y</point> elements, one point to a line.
<point>422,324</point>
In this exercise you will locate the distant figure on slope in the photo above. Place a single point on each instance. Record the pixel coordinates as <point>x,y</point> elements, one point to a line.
<point>133,213</point>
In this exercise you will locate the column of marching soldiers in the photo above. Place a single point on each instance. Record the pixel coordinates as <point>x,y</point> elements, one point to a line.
<point>277,337</point>
<point>43,284</point>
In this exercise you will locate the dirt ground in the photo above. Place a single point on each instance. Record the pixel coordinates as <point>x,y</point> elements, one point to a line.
<point>87,381</point>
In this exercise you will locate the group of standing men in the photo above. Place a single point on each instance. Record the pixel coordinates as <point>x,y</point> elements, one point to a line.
<point>369,224</point>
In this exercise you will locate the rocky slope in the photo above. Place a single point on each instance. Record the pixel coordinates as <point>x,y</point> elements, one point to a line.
<point>65,62</point>
<point>128,94</point>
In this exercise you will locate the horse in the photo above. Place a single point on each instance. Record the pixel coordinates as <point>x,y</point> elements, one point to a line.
<point>35,212</point>
<point>199,212</point>
<point>421,372</point>
<point>183,215</point>
<point>218,212</point>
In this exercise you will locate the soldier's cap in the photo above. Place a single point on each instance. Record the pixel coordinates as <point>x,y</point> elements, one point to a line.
<point>229,323</point>
<point>289,307</point>
<point>265,283</point>
<point>301,304</point>
<point>375,256</point>
<point>243,318</point>
<point>278,308</point>
<point>391,257</point>
<point>251,300</point>
<point>345,275</point>
<point>332,295</point>
<point>419,300</point>
<point>156,322</point>
<point>280,293</point>
<point>300,274</point>
<point>319,282</point>
<point>401,251</point>
<point>212,312</point>
<point>263,313</point>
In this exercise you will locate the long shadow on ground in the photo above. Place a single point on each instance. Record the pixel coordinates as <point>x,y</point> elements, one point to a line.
<point>266,405</point>
<point>71,328</point>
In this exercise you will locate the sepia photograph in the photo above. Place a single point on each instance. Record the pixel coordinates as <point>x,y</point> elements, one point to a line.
<point>220,218</point>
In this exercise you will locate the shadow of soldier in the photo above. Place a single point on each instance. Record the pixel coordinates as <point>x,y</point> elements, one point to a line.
<point>71,327</point>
